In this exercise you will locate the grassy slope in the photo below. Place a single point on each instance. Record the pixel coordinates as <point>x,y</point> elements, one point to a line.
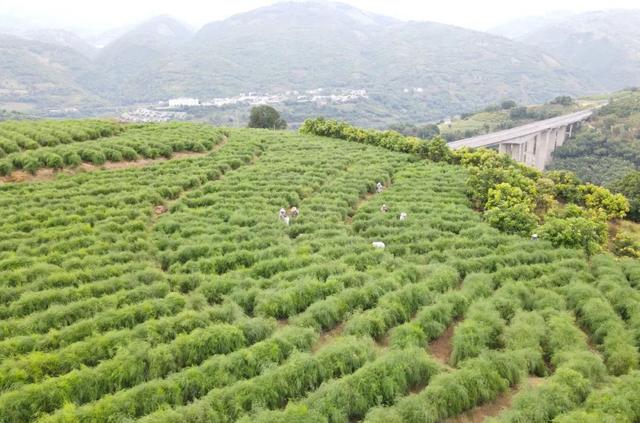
<point>94,251</point>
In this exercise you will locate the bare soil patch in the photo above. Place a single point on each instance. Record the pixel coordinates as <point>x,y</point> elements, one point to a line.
<point>160,209</point>
<point>495,407</point>
<point>328,337</point>
<point>441,348</point>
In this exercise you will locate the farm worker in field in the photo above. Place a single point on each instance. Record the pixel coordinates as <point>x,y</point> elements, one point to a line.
<point>379,187</point>
<point>283,213</point>
<point>403,216</point>
<point>534,237</point>
<point>378,244</point>
<point>384,208</point>
<point>294,212</point>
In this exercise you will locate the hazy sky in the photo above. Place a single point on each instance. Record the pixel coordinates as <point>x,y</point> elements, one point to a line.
<point>106,14</point>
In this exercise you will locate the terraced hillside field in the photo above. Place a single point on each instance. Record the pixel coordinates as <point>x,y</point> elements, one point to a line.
<point>173,293</point>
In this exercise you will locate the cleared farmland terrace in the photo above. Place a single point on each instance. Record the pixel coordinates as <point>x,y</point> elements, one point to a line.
<point>173,293</point>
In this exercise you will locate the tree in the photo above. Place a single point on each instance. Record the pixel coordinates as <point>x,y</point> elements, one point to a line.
<point>436,150</point>
<point>576,232</point>
<point>625,246</point>
<point>266,117</point>
<point>566,185</point>
<point>614,206</point>
<point>506,195</point>
<point>519,112</point>
<point>629,186</point>
<point>508,104</point>
<point>424,132</point>
<point>509,209</point>
<point>515,219</point>
<point>563,100</point>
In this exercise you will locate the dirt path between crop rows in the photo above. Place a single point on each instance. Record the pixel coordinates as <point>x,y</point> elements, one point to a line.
<point>361,202</point>
<point>48,174</point>
<point>495,407</point>
<point>441,347</point>
<point>327,337</point>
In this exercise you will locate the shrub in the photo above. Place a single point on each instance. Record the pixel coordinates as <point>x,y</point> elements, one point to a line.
<point>5,167</point>
<point>576,232</point>
<point>516,219</point>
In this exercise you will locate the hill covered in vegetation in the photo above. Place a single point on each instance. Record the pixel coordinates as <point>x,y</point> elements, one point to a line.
<point>411,71</point>
<point>607,150</point>
<point>601,45</point>
<point>174,292</point>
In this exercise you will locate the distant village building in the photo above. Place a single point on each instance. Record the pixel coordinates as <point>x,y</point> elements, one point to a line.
<point>184,102</point>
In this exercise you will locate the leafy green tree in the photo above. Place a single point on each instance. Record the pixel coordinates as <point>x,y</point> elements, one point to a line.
<point>519,112</point>
<point>545,200</point>
<point>484,178</point>
<point>509,209</point>
<point>508,104</point>
<point>625,246</point>
<point>424,132</point>
<point>614,206</point>
<point>266,117</point>
<point>436,150</point>
<point>566,185</point>
<point>516,219</point>
<point>506,195</point>
<point>629,186</point>
<point>576,232</point>
<point>563,100</point>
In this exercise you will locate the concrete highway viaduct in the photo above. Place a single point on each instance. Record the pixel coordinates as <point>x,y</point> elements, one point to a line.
<point>530,144</point>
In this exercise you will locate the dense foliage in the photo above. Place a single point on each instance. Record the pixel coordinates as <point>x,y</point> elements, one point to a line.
<point>266,117</point>
<point>214,309</point>
<point>608,149</point>
<point>32,145</point>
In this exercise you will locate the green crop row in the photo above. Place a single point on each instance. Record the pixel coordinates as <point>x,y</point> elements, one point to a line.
<point>63,315</point>
<point>606,327</point>
<point>612,281</point>
<point>480,330</point>
<point>615,403</point>
<point>431,321</point>
<point>577,369</point>
<point>398,306</point>
<point>194,382</point>
<point>37,365</point>
<point>126,317</point>
<point>377,383</point>
<point>137,363</point>
<point>149,142</point>
<point>29,135</point>
<point>300,374</point>
<point>478,380</point>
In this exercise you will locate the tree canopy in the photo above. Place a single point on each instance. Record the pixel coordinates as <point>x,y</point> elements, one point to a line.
<point>266,117</point>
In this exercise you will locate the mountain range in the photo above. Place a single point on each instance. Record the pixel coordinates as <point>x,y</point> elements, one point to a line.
<point>412,71</point>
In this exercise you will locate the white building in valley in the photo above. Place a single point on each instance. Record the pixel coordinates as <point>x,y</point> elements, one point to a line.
<point>184,102</point>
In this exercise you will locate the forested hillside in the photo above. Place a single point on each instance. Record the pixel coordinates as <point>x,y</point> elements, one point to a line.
<point>36,75</point>
<point>175,292</point>
<point>601,45</point>
<point>607,150</point>
<point>411,71</point>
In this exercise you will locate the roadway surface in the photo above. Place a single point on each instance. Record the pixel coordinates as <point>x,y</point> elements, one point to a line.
<point>499,137</point>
